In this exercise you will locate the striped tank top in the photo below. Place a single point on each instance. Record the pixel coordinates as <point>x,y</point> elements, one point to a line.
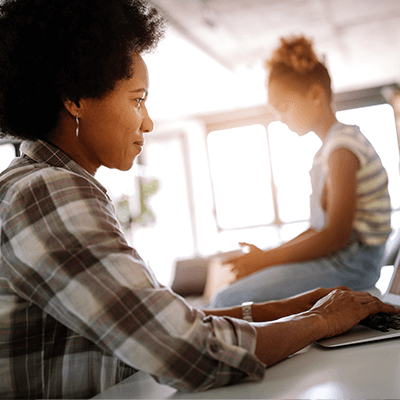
<point>372,220</point>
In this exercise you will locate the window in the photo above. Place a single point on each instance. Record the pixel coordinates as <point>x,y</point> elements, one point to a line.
<point>171,236</point>
<point>261,178</point>
<point>7,153</point>
<point>292,158</point>
<point>241,175</point>
<point>152,203</point>
<point>249,168</point>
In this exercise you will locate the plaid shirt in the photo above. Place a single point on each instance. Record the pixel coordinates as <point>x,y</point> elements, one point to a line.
<point>80,310</point>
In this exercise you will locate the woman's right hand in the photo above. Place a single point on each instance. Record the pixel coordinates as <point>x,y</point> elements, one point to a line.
<point>331,315</point>
<point>248,263</point>
<point>341,309</point>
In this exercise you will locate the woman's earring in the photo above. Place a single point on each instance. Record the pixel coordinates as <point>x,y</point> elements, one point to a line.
<point>77,124</point>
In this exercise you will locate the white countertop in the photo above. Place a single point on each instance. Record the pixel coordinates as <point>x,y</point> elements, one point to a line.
<point>365,371</point>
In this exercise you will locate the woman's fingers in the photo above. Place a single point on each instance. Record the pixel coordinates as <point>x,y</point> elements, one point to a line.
<point>375,304</point>
<point>342,309</point>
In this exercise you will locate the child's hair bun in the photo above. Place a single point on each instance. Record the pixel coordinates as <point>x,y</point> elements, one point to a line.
<point>295,52</point>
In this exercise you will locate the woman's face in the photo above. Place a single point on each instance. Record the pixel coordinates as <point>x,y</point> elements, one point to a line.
<point>111,129</point>
<point>295,109</point>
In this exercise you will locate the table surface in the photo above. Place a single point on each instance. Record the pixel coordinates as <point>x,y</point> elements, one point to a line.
<point>367,371</point>
<point>363,371</point>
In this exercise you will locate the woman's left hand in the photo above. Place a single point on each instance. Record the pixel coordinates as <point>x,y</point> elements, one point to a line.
<point>248,263</point>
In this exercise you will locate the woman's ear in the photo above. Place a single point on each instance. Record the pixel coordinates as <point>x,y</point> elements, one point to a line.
<point>317,94</point>
<point>72,107</point>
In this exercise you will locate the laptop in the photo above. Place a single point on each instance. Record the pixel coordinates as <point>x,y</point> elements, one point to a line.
<point>363,332</point>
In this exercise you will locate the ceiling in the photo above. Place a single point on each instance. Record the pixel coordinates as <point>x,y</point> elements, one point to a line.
<point>358,39</point>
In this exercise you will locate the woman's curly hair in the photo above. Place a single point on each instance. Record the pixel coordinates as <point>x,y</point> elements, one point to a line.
<point>296,61</point>
<point>53,50</point>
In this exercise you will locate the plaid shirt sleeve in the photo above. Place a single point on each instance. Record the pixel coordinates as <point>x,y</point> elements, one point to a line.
<point>62,251</point>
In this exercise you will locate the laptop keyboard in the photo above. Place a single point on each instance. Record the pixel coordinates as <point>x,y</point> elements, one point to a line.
<point>382,322</point>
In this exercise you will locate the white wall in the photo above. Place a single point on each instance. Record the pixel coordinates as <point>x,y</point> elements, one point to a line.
<point>184,81</point>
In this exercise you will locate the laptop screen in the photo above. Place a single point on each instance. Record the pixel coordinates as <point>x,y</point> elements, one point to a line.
<point>392,295</point>
<point>395,283</point>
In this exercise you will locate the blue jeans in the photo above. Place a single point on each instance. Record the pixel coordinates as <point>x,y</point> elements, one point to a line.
<point>356,266</point>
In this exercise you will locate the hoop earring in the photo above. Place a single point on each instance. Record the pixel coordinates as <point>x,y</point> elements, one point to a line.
<point>77,124</point>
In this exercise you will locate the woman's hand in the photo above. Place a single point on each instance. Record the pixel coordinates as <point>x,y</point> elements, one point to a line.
<point>342,309</point>
<point>332,315</point>
<point>248,263</point>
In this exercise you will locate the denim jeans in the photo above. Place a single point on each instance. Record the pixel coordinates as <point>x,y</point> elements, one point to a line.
<point>356,266</point>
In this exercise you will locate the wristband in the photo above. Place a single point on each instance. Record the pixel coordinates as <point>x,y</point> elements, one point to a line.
<point>247,314</point>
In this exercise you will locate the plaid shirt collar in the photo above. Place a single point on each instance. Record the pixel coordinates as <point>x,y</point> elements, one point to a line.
<point>47,153</point>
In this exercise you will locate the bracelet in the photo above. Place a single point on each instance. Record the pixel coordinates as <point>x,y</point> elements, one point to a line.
<point>247,314</point>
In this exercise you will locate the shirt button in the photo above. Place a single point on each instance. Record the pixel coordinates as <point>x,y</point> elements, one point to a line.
<point>215,348</point>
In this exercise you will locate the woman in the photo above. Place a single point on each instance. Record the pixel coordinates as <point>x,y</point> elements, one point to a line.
<point>79,309</point>
<point>350,204</point>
